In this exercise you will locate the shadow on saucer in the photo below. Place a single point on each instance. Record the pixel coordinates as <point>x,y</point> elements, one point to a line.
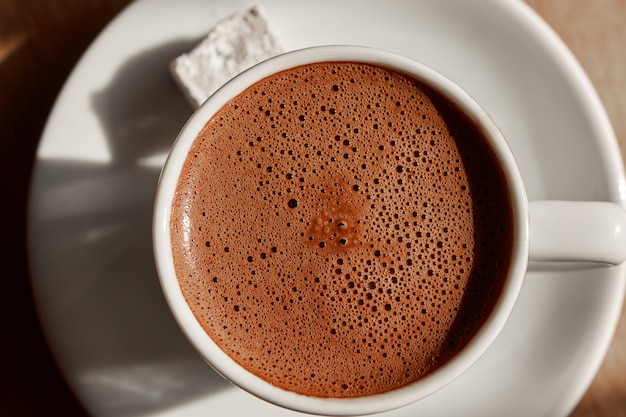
<point>112,329</point>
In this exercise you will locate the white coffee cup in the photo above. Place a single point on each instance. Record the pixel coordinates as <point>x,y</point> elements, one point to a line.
<point>546,231</point>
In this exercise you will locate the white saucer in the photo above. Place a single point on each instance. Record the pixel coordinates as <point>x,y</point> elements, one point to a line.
<point>100,156</point>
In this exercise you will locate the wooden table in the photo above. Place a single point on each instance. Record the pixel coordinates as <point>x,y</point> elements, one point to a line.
<point>40,41</point>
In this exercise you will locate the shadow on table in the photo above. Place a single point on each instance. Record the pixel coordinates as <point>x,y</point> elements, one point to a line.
<point>611,404</point>
<point>98,291</point>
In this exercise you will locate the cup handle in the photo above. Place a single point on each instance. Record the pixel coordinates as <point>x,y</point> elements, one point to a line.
<point>577,231</point>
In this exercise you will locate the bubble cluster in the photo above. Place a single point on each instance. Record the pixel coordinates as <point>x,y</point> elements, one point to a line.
<point>340,230</point>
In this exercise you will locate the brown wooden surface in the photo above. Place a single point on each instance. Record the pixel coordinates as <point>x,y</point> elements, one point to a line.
<point>41,40</point>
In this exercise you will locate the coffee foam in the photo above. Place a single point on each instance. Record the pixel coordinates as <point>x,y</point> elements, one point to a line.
<point>340,230</point>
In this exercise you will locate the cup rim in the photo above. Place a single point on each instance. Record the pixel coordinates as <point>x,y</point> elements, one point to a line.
<point>243,378</point>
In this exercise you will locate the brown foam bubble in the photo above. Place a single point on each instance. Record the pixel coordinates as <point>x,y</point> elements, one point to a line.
<point>340,230</point>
